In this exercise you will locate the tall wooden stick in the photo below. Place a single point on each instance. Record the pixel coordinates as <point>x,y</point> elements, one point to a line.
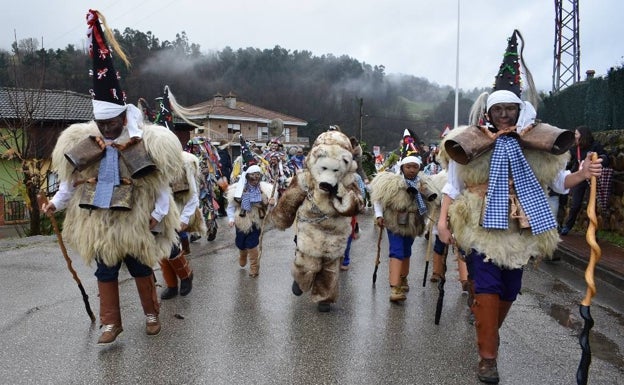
<point>41,200</point>
<point>582,372</point>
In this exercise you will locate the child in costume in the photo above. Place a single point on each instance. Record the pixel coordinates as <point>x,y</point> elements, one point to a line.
<point>400,207</point>
<point>248,202</point>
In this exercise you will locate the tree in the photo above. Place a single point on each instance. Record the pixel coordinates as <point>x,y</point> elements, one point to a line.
<point>18,143</point>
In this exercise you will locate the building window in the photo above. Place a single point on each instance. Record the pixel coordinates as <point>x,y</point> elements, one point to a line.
<point>53,183</point>
<point>263,133</point>
<point>233,128</point>
<point>286,134</point>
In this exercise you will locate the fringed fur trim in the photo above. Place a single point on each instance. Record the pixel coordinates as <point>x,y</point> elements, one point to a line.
<point>245,223</point>
<point>284,213</point>
<point>111,235</point>
<point>511,248</point>
<point>390,190</point>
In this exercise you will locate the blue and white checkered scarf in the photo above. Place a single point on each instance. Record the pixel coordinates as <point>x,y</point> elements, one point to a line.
<point>420,202</point>
<point>251,195</point>
<point>108,178</point>
<point>508,155</point>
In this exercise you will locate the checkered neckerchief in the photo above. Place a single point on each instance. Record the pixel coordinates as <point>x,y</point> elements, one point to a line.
<point>108,178</point>
<point>508,155</point>
<point>422,208</point>
<point>251,195</point>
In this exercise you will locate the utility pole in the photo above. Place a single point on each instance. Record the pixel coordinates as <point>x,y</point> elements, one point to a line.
<point>361,116</point>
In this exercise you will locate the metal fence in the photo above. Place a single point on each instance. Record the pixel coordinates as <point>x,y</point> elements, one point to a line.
<point>14,211</point>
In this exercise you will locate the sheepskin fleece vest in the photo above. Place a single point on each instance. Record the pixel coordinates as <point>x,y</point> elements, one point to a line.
<point>509,248</point>
<point>390,190</point>
<point>322,228</point>
<point>246,223</point>
<point>192,176</point>
<point>111,235</point>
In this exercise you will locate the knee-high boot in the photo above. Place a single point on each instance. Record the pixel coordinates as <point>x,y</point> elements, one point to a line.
<point>149,302</point>
<point>110,314</point>
<point>242,258</point>
<point>183,271</point>
<point>405,266</point>
<point>394,272</point>
<point>254,262</point>
<point>485,309</point>
<point>171,280</point>
<point>438,267</point>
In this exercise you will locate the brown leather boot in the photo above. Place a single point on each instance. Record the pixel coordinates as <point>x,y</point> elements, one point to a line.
<point>438,268</point>
<point>110,314</point>
<point>149,302</point>
<point>254,262</point>
<point>171,279</point>
<point>242,258</point>
<point>394,277</point>
<point>485,309</point>
<point>183,271</point>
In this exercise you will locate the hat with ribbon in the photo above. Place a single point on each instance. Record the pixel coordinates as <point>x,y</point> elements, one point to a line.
<point>109,100</point>
<point>163,114</point>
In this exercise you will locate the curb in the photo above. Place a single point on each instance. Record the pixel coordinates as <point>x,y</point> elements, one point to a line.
<point>580,262</point>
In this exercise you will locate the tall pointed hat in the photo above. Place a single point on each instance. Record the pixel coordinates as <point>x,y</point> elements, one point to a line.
<point>163,114</point>
<point>109,100</point>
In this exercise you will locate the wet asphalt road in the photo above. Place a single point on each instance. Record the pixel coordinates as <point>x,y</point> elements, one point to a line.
<point>237,330</point>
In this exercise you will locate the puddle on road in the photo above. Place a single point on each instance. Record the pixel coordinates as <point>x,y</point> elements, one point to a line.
<point>601,346</point>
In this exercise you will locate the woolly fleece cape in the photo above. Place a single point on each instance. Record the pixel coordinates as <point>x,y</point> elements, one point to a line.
<point>509,248</point>
<point>245,223</point>
<point>111,235</point>
<point>192,174</point>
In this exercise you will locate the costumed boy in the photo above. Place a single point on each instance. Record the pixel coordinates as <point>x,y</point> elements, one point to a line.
<point>495,197</point>
<point>248,202</point>
<point>114,176</point>
<point>322,198</point>
<point>400,207</point>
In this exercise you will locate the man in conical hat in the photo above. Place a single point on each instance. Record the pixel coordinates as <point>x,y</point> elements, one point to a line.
<point>499,169</point>
<point>115,173</point>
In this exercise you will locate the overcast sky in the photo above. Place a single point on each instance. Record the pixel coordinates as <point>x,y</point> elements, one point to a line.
<point>415,37</point>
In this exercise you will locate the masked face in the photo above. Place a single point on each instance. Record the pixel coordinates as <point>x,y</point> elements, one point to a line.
<point>112,128</point>
<point>253,178</point>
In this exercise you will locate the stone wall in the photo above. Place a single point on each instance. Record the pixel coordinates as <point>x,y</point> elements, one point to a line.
<point>611,219</point>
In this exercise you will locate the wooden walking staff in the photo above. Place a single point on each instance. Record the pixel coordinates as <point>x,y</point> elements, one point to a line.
<point>41,200</point>
<point>266,215</point>
<point>428,251</point>
<point>582,373</point>
<point>378,255</point>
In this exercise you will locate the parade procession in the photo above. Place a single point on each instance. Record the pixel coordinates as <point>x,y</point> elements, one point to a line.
<point>213,243</point>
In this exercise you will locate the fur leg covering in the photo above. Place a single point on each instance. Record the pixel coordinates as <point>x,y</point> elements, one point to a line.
<point>169,275</point>
<point>318,275</point>
<point>254,262</point>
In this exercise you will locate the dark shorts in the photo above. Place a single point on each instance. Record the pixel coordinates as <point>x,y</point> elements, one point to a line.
<point>491,279</point>
<point>400,246</point>
<point>111,273</point>
<point>247,241</point>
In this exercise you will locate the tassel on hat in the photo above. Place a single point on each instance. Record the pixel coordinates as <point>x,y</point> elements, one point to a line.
<point>109,100</point>
<point>508,86</point>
